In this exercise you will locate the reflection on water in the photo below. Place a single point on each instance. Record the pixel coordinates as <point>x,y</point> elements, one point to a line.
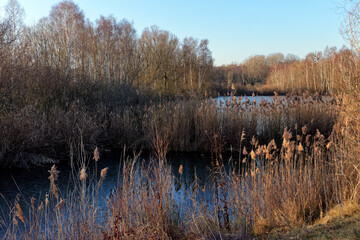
<point>196,173</point>
<point>256,100</point>
<point>195,167</point>
<point>24,184</point>
<point>35,182</point>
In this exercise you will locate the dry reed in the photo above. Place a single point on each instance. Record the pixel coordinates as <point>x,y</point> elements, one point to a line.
<point>275,185</point>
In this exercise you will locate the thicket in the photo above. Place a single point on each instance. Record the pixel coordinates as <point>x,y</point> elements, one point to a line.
<point>329,72</point>
<point>309,173</point>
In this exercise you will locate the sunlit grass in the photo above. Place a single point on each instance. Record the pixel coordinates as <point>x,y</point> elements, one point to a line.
<point>275,186</point>
<point>272,185</point>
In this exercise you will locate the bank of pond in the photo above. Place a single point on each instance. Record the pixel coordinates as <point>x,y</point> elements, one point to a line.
<point>207,169</point>
<point>31,138</point>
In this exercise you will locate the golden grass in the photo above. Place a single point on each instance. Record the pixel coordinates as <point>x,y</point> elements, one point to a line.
<point>30,137</point>
<point>274,186</point>
<point>341,222</point>
<point>342,210</point>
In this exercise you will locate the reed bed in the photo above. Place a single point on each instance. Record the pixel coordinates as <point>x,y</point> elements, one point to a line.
<point>274,186</point>
<point>277,187</point>
<point>188,125</point>
<point>72,214</point>
<point>286,182</point>
<point>140,207</point>
<point>34,137</point>
<point>143,206</point>
<point>285,186</point>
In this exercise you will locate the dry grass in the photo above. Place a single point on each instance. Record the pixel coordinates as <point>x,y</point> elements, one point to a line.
<point>143,206</point>
<point>341,222</point>
<point>284,186</point>
<point>348,145</point>
<point>292,185</point>
<point>70,215</point>
<point>42,132</point>
<point>279,185</point>
<point>275,187</point>
<point>346,209</point>
<point>188,125</point>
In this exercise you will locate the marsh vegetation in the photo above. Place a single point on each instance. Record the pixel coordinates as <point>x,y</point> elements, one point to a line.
<point>71,89</point>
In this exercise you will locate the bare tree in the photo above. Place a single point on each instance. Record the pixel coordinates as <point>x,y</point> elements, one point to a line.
<point>189,53</point>
<point>205,62</point>
<point>351,28</point>
<point>67,22</point>
<point>5,36</point>
<point>160,51</point>
<point>256,69</point>
<point>15,14</point>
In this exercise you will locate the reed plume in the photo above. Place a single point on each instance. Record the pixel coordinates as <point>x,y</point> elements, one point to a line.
<point>244,151</point>
<point>253,155</point>
<point>103,172</point>
<point>54,173</point>
<point>102,177</point>
<point>83,174</point>
<point>96,154</point>
<point>181,169</point>
<point>19,212</point>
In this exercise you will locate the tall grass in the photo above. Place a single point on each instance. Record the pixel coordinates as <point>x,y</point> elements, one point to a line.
<point>36,134</point>
<point>348,146</point>
<point>282,183</point>
<point>140,207</point>
<point>274,186</point>
<point>143,206</point>
<point>188,125</point>
<point>285,186</point>
<point>277,187</point>
<point>72,214</point>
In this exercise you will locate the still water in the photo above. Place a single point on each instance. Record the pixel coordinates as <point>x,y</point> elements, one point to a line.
<point>35,182</point>
<point>244,99</point>
<point>22,185</point>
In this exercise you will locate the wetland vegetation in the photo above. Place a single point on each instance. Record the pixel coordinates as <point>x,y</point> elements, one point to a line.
<point>71,89</point>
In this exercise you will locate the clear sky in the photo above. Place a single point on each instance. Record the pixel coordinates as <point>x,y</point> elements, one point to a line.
<point>236,29</point>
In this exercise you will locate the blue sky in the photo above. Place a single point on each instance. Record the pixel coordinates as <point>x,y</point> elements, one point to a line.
<point>236,29</point>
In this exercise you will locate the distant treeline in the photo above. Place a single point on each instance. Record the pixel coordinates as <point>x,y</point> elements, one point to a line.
<point>253,70</point>
<point>325,72</point>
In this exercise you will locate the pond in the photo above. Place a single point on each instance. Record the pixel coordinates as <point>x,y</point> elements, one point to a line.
<point>256,100</point>
<point>22,185</point>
